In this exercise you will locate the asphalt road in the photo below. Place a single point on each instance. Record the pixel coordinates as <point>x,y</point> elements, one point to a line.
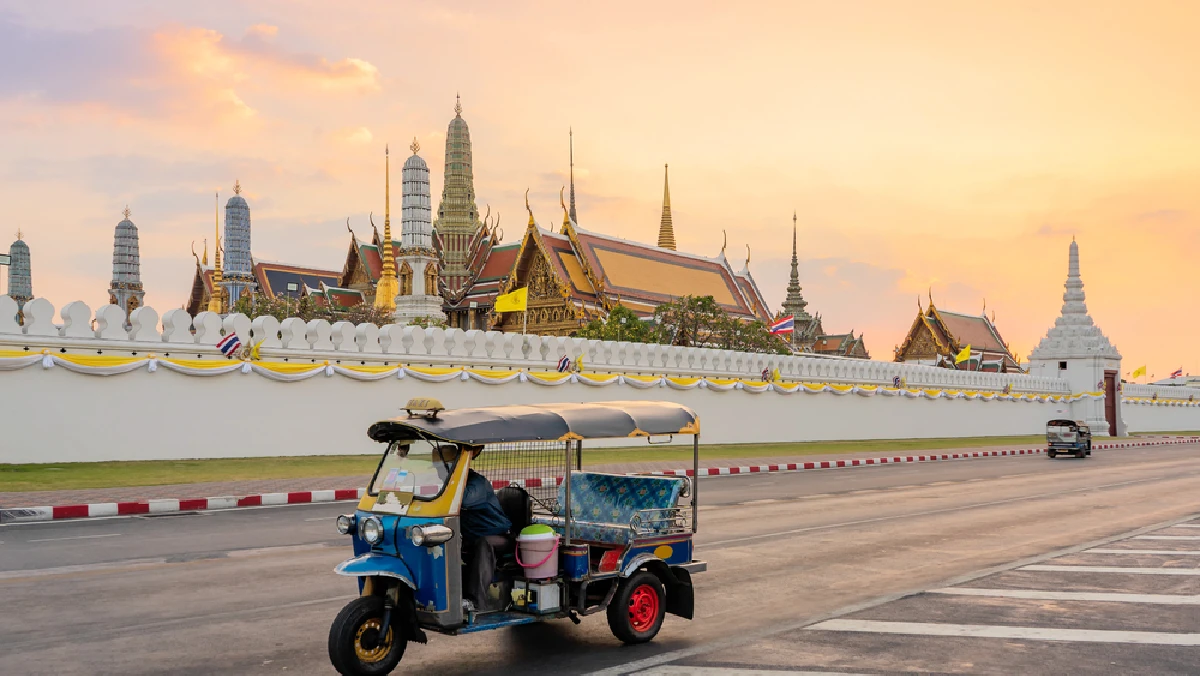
<point>251,591</point>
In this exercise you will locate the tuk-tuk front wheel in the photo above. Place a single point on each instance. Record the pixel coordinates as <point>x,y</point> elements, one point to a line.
<point>637,610</point>
<point>356,648</point>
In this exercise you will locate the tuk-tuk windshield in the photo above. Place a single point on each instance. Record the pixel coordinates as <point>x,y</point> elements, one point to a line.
<point>419,468</point>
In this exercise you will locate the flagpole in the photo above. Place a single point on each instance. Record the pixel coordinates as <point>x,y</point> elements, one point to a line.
<point>525,322</point>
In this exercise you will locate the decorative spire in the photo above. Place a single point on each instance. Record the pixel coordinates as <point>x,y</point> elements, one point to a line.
<point>794,303</point>
<point>747,256</point>
<point>214,301</point>
<point>19,236</point>
<point>666,232</point>
<point>237,187</point>
<point>127,212</point>
<point>457,105</point>
<point>724,241</point>
<point>566,214</point>
<point>415,146</point>
<point>388,286</point>
<point>204,260</point>
<point>1074,333</point>
<point>571,134</point>
<point>527,206</point>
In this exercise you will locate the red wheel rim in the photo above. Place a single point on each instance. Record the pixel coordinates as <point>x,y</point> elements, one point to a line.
<point>643,608</point>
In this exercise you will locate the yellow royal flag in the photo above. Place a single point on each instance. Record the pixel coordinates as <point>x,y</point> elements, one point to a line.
<point>775,376</point>
<point>516,301</point>
<point>1139,372</point>
<point>963,356</point>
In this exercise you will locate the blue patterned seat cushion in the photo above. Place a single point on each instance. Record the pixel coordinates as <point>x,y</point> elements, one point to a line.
<point>603,504</point>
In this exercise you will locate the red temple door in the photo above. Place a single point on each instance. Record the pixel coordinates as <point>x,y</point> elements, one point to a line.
<point>1110,401</point>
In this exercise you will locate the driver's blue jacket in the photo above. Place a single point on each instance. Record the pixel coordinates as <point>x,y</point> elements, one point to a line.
<point>481,514</point>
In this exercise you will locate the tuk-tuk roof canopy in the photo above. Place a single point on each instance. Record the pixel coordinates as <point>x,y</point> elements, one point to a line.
<point>542,422</point>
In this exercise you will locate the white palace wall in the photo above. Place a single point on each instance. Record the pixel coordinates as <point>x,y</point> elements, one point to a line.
<point>171,394</point>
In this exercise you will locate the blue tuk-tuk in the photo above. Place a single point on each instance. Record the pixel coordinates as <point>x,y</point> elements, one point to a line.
<point>623,543</point>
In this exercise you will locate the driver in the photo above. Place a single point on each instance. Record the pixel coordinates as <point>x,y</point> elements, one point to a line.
<point>480,518</point>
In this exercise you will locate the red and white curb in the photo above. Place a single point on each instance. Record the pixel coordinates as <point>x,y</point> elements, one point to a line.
<point>167,506</point>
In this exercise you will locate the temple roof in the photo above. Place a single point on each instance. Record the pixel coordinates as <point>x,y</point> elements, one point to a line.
<point>652,275</point>
<point>954,331</point>
<point>273,277</point>
<point>976,331</point>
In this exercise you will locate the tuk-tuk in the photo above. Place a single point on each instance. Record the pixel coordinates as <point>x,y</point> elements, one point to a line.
<point>578,542</point>
<point>1068,436</point>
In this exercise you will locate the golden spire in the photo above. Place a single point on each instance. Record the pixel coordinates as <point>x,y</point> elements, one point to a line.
<point>389,286</point>
<point>218,293</point>
<point>415,146</point>
<point>457,105</point>
<point>527,206</point>
<point>19,233</point>
<point>204,260</point>
<point>126,212</point>
<point>563,204</point>
<point>666,232</point>
<point>747,256</point>
<point>237,187</point>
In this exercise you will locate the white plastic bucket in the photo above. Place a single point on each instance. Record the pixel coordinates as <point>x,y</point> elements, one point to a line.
<point>537,552</point>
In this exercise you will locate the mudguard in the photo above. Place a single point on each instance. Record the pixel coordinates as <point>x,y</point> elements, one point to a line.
<point>372,564</point>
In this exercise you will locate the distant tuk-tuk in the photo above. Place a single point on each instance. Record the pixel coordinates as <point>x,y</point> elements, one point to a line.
<point>1068,436</point>
<point>579,543</point>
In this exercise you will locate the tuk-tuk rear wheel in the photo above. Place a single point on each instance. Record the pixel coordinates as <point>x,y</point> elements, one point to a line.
<point>636,612</point>
<point>355,646</point>
<point>1051,453</point>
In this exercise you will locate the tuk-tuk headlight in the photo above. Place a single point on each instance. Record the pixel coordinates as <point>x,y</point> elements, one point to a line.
<point>345,524</point>
<point>430,535</point>
<point>372,530</point>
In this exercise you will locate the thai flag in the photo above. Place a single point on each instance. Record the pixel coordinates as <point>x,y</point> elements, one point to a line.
<point>784,325</point>
<point>229,344</point>
<point>564,364</point>
<point>1177,373</point>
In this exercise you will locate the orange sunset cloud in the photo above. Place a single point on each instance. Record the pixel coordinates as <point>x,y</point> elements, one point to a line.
<point>927,147</point>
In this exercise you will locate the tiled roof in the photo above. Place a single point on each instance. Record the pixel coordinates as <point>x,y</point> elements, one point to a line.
<point>974,331</point>
<point>343,297</point>
<point>273,278</point>
<point>567,267</point>
<point>648,274</point>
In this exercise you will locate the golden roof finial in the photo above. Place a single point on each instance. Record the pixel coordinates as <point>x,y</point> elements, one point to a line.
<point>457,104</point>
<point>747,256</point>
<point>527,206</point>
<point>204,260</point>
<point>415,146</point>
<point>985,307</point>
<point>724,241</point>
<point>388,286</point>
<point>237,187</point>
<point>214,300</point>
<point>19,233</point>
<point>126,212</point>
<point>563,203</point>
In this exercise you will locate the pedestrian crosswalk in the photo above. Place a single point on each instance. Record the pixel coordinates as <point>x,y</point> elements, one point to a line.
<point>1126,606</point>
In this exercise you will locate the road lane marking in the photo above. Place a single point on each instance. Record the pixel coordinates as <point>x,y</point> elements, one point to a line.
<point>77,537</point>
<point>931,512</point>
<point>1186,552</point>
<point>1112,569</point>
<point>996,631</point>
<point>675,670</point>
<point>764,501</point>
<point>1159,599</point>
<point>745,638</point>
<point>1187,525</point>
<point>1167,537</point>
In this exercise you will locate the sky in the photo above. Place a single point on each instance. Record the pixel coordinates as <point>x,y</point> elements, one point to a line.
<point>927,148</point>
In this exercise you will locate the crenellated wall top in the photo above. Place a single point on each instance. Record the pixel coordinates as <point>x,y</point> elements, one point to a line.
<point>78,330</point>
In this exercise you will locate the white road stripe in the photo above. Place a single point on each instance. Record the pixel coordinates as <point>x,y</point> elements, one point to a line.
<point>1112,569</point>
<point>764,501</point>
<point>1186,552</point>
<point>1160,599</point>
<point>77,537</point>
<point>1167,537</point>
<point>995,631</point>
<point>676,670</point>
<point>1186,525</point>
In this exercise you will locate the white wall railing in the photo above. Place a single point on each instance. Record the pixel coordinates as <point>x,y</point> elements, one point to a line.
<point>293,339</point>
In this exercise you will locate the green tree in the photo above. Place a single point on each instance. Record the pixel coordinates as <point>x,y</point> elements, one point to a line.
<point>688,321</point>
<point>306,307</point>
<point>428,323</point>
<point>620,324</point>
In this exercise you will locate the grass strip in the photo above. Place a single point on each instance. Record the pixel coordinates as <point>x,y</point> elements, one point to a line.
<point>83,475</point>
